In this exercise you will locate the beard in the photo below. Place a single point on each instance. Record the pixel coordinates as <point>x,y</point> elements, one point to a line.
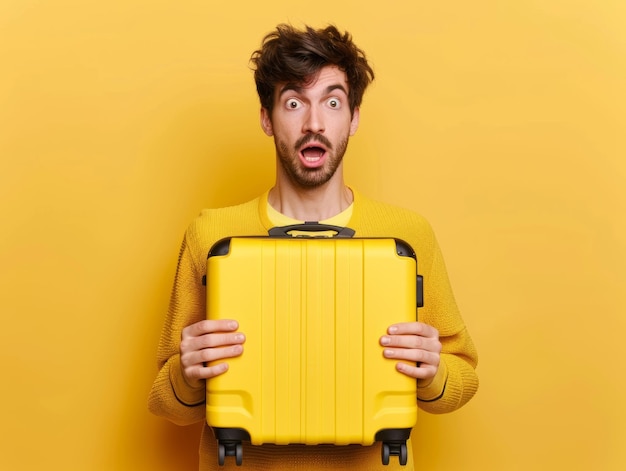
<point>310,177</point>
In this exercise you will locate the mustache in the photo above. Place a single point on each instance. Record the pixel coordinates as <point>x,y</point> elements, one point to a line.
<point>313,137</point>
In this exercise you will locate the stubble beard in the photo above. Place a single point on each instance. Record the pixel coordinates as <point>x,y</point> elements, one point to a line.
<point>310,177</point>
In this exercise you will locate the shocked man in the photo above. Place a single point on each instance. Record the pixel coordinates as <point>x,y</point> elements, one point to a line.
<point>310,84</point>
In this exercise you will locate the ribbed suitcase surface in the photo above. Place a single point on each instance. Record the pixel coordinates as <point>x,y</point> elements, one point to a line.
<point>313,311</point>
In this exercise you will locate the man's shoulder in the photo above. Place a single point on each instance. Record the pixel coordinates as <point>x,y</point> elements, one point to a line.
<point>377,218</point>
<point>213,224</point>
<point>381,212</point>
<point>248,208</point>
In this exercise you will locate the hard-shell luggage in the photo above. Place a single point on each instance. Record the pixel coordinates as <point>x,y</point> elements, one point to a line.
<point>312,372</point>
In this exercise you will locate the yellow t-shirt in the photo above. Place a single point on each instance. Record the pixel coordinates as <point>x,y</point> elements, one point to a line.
<point>279,220</point>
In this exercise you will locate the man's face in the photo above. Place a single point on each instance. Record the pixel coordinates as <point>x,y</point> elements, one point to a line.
<point>311,124</point>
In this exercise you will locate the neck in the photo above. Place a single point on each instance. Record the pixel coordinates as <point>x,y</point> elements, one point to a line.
<point>310,204</point>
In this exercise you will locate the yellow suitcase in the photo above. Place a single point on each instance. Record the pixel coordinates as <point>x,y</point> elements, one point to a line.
<point>312,372</point>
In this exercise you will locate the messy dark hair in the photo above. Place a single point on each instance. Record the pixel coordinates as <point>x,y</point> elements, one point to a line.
<point>289,55</point>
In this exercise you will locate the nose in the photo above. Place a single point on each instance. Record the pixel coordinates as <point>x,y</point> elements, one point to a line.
<point>313,122</point>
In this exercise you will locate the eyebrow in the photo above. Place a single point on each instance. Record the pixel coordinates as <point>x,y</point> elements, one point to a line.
<point>298,88</point>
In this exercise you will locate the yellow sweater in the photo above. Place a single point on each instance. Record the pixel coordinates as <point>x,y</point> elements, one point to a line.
<point>455,383</point>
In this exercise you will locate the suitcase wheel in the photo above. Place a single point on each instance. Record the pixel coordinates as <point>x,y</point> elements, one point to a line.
<point>229,448</point>
<point>396,449</point>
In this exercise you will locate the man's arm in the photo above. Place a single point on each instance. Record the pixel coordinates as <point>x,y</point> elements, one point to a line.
<point>187,342</point>
<point>440,343</point>
<point>444,367</point>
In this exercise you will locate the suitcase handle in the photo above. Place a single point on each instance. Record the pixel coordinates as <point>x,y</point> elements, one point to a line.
<point>283,231</point>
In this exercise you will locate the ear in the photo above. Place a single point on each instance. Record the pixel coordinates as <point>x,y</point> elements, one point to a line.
<point>354,124</point>
<point>266,122</point>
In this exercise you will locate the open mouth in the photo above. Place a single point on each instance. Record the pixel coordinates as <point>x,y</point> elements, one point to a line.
<point>313,153</point>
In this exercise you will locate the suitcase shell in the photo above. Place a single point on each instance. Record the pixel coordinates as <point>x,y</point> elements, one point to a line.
<point>313,311</point>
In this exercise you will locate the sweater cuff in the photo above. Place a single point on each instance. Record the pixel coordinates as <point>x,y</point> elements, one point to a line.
<point>433,390</point>
<point>185,394</point>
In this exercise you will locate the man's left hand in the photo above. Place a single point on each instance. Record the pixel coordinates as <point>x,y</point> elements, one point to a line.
<point>417,343</point>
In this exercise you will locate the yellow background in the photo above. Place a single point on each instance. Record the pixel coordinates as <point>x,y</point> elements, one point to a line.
<point>502,122</point>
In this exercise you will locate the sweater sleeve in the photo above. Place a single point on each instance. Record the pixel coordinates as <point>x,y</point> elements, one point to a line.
<point>171,397</point>
<point>456,381</point>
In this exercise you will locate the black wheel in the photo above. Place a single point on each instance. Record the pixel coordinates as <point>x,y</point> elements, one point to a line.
<point>404,454</point>
<point>239,454</point>
<point>385,453</point>
<point>221,453</point>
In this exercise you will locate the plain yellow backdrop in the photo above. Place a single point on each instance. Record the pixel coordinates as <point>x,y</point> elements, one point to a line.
<point>502,122</point>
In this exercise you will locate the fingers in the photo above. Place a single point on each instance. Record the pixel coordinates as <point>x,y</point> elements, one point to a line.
<point>413,355</point>
<point>210,341</point>
<point>418,347</point>
<point>209,326</point>
<point>412,335</point>
<point>205,342</point>
<point>208,355</point>
<point>414,328</point>
<point>423,371</point>
<point>197,365</point>
<point>419,364</point>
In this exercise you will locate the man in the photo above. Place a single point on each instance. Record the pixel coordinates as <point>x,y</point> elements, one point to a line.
<point>310,84</point>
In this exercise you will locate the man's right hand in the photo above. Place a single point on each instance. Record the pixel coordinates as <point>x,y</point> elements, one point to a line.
<point>207,341</point>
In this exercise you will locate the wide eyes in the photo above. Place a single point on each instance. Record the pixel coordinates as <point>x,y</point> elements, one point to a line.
<point>294,104</point>
<point>334,103</point>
